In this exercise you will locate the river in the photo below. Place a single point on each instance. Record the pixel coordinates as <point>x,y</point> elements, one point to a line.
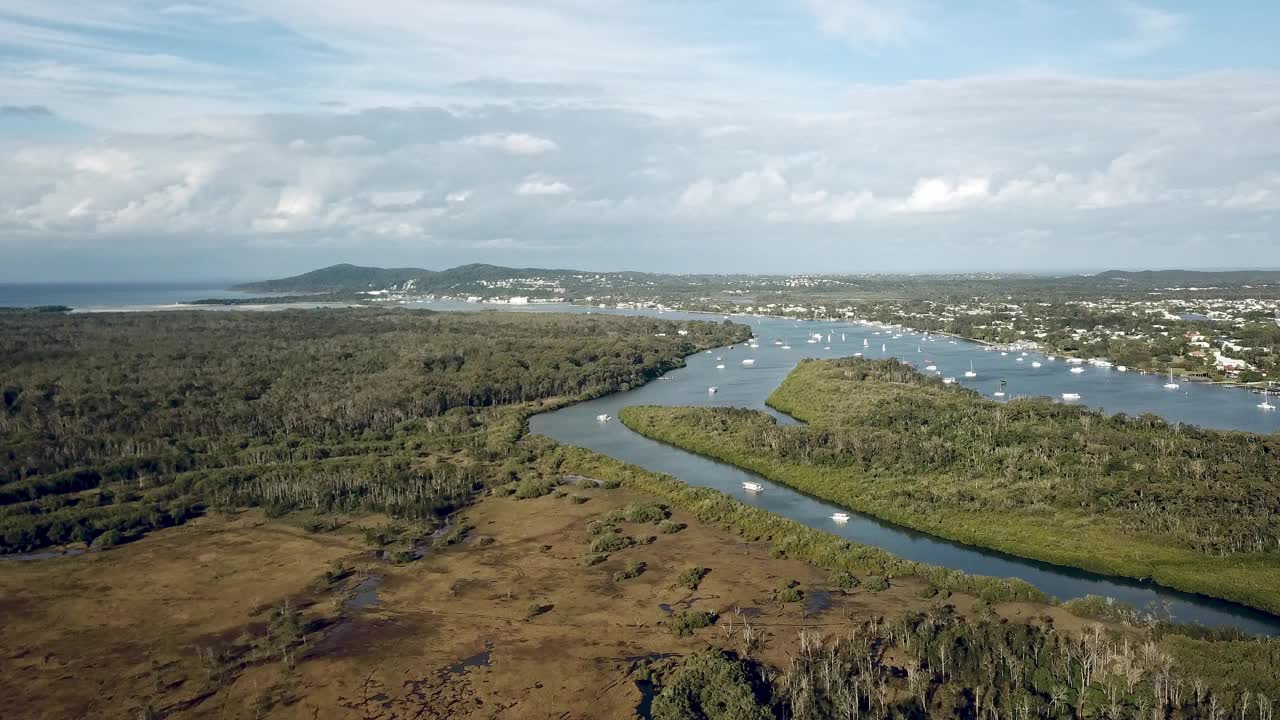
<point>741,386</point>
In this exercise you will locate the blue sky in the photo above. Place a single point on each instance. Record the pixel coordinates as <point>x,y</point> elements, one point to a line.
<point>153,139</point>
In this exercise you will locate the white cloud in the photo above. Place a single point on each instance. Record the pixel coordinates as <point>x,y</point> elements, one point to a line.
<point>514,143</point>
<point>934,194</point>
<point>1153,29</point>
<point>542,186</point>
<point>868,22</point>
<point>1002,160</point>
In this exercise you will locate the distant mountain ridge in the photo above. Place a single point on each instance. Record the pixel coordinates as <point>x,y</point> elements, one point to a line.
<point>477,278</point>
<point>346,277</point>
<point>1196,277</point>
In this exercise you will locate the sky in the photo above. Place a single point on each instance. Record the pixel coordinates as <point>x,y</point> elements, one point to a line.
<point>162,140</point>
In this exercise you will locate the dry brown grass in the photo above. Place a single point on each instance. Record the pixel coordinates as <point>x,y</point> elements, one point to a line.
<point>107,634</point>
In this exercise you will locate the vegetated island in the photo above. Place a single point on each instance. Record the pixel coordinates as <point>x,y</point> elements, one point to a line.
<point>328,513</point>
<point>1188,508</point>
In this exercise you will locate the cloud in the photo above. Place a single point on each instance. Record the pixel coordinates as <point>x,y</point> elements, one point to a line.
<point>868,22</point>
<point>1153,29</point>
<point>1011,163</point>
<point>935,194</point>
<point>25,111</point>
<point>514,143</point>
<point>542,186</point>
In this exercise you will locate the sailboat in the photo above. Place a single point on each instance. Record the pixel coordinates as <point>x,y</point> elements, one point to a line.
<point>841,337</point>
<point>787,345</point>
<point>970,372</point>
<point>1266,404</point>
<point>1000,392</point>
<point>1171,385</point>
<point>882,348</point>
<point>864,342</point>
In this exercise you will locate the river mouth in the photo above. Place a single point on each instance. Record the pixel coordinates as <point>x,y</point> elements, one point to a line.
<point>749,386</point>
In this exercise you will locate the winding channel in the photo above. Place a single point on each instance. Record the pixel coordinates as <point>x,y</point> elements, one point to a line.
<point>740,386</point>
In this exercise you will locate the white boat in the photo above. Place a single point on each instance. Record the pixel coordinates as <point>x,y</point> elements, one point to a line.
<point>827,347</point>
<point>777,342</point>
<point>708,352</point>
<point>1004,353</point>
<point>998,393</point>
<point>970,372</point>
<point>811,341</point>
<point>754,487</point>
<point>1035,363</point>
<point>713,389</point>
<point>1070,396</point>
<point>864,342</point>
<point>1122,368</point>
<point>718,357</point>
<point>1266,403</point>
<point>1051,358</point>
<point>749,361</point>
<point>786,347</point>
<point>841,337</point>
<point>603,417</point>
<point>755,346</point>
<point>1077,370</point>
<point>931,368</point>
<point>1075,361</point>
<point>857,354</point>
<point>840,517</point>
<point>1171,385</point>
<point>948,381</point>
<point>720,366</point>
<point>882,349</point>
<point>1021,359</point>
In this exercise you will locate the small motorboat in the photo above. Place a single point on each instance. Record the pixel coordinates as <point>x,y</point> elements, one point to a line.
<point>603,417</point>
<point>1035,363</point>
<point>749,361</point>
<point>1070,396</point>
<point>1077,370</point>
<point>713,389</point>
<point>754,487</point>
<point>840,517</point>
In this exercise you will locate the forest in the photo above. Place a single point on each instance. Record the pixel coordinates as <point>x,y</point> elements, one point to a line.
<point>1190,508</point>
<point>115,424</point>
